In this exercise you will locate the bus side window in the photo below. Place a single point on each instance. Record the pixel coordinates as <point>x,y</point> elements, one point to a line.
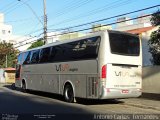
<point>44,55</point>
<point>35,56</point>
<point>27,57</point>
<point>52,54</point>
<point>86,49</point>
<point>67,52</point>
<point>92,46</point>
<point>77,50</point>
<point>57,53</point>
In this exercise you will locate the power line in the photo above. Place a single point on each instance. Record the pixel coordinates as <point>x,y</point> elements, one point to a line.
<point>72,6</point>
<point>59,29</point>
<point>15,4</point>
<point>106,7</point>
<point>28,19</point>
<point>107,18</point>
<point>25,3</point>
<point>28,42</point>
<point>28,34</point>
<point>101,19</point>
<point>28,39</point>
<point>20,20</point>
<point>15,7</point>
<point>7,6</point>
<point>104,25</point>
<point>92,28</point>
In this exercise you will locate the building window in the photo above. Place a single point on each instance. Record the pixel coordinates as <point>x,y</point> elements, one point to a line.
<point>3,32</point>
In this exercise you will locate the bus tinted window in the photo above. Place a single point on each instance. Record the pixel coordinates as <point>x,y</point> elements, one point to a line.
<point>78,50</point>
<point>86,49</point>
<point>57,53</point>
<point>44,55</point>
<point>27,57</point>
<point>34,56</point>
<point>124,44</point>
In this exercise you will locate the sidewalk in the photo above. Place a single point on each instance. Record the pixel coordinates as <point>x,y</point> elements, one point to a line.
<point>3,84</point>
<point>143,102</point>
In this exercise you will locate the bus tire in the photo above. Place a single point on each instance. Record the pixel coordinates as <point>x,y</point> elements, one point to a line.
<point>24,87</point>
<point>68,93</point>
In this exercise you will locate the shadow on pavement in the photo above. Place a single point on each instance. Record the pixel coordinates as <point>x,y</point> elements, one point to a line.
<point>150,96</point>
<point>98,102</point>
<point>44,94</point>
<point>34,107</point>
<point>60,97</point>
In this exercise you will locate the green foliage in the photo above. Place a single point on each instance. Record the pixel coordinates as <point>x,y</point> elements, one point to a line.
<point>7,51</point>
<point>38,43</point>
<point>155,20</point>
<point>154,42</point>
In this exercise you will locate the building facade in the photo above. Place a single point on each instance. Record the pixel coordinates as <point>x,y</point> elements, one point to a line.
<point>5,30</point>
<point>6,35</point>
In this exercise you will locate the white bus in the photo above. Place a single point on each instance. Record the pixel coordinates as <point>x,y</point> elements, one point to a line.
<point>101,65</point>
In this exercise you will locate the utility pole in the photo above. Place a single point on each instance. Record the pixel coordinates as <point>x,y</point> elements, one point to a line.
<point>45,18</point>
<point>6,61</point>
<point>45,22</point>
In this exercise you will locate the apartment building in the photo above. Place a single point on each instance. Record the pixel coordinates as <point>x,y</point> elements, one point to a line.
<point>6,34</point>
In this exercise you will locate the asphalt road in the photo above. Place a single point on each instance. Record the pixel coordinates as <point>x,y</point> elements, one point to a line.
<point>50,106</point>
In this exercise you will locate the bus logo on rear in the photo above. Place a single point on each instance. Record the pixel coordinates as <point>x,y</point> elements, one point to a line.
<point>124,74</point>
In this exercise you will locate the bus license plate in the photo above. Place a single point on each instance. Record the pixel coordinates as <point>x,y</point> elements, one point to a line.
<point>125,91</point>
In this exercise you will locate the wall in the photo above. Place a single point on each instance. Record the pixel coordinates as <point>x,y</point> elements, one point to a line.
<point>2,79</point>
<point>151,79</point>
<point>10,76</point>
<point>70,36</point>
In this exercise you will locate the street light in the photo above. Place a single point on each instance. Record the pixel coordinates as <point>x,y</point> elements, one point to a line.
<point>45,18</point>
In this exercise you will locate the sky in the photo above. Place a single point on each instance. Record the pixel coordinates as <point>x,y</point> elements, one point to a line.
<point>26,16</point>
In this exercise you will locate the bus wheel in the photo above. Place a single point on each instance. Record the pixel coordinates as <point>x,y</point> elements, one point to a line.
<point>68,93</point>
<point>23,86</point>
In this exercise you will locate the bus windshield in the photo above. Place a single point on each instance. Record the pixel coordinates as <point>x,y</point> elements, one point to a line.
<point>124,44</point>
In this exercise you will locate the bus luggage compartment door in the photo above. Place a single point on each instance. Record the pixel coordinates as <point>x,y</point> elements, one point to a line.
<point>92,87</point>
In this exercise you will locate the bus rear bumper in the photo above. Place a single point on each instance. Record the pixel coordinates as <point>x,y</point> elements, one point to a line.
<point>111,93</point>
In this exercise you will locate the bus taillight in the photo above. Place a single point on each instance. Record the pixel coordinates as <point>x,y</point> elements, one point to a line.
<point>104,71</point>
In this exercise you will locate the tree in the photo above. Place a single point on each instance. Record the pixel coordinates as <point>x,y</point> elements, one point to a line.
<point>7,54</point>
<point>38,43</point>
<point>154,42</point>
<point>155,20</point>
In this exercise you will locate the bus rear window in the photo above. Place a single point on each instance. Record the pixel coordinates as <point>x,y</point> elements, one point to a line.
<point>124,44</point>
